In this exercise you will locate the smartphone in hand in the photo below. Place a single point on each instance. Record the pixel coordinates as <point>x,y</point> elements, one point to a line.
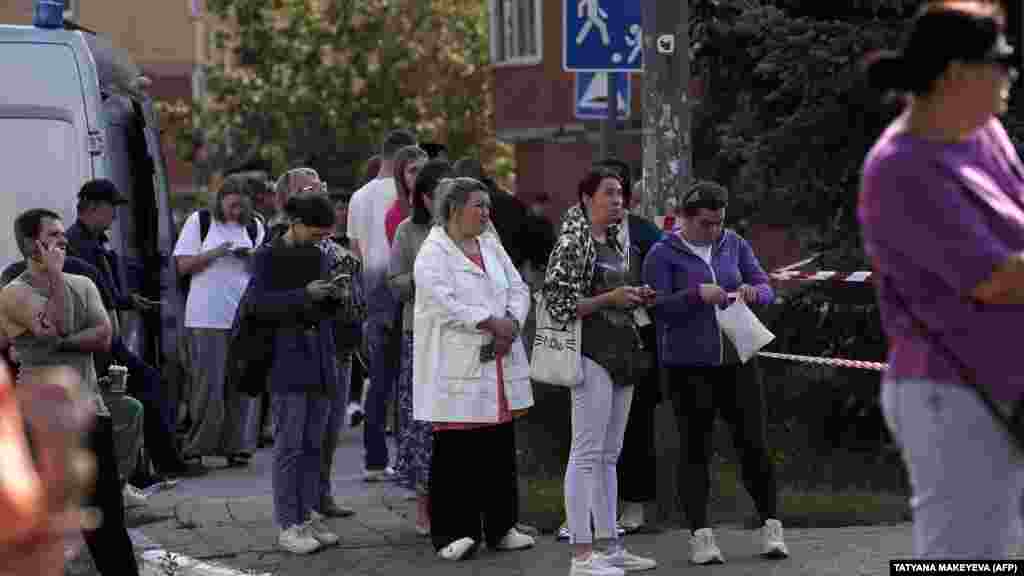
<point>488,353</point>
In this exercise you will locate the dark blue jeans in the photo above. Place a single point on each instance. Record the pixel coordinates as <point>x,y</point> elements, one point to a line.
<point>383,337</point>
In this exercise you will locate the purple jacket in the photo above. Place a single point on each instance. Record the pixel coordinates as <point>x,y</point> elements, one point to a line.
<point>688,333</point>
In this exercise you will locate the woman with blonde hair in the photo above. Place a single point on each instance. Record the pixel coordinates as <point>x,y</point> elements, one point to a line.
<point>471,376</point>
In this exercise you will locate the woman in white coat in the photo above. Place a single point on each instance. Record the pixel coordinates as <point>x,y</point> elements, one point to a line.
<point>471,376</point>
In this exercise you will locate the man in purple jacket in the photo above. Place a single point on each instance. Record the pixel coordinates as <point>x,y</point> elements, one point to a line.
<point>697,267</point>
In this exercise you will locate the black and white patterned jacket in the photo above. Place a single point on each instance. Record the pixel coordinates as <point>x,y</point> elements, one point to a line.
<point>570,272</point>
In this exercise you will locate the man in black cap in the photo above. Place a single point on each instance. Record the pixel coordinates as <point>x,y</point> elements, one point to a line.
<point>87,239</point>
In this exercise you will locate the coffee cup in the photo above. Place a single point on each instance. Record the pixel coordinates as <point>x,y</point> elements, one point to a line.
<point>118,379</point>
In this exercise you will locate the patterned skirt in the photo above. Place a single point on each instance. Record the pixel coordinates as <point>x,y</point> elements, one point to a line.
<point>415,438</point>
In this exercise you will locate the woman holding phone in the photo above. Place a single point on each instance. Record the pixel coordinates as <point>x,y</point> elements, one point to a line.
<point>592,277</point>
<point>695,269</point>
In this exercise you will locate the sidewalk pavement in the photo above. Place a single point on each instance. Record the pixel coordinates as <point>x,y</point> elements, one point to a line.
<point>222,524</point>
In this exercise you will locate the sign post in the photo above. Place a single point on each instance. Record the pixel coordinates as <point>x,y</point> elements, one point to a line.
<point>603,36</point>
<point>666,175</point>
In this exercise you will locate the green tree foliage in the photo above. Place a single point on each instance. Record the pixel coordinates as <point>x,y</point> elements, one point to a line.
<point>785,120</point>
<point>320,81</point>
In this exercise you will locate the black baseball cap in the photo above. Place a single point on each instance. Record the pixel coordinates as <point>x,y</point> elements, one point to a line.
<point>101,190</point>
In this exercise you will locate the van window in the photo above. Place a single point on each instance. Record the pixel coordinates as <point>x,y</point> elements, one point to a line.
<point>39,168</point>
<point>22,67</point>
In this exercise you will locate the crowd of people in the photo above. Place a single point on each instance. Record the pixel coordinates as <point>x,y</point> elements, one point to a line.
<point>423,267</point>
<point>412,277</point>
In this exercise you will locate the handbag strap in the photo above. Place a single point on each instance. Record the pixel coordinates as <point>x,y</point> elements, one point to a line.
<point>966,373</point>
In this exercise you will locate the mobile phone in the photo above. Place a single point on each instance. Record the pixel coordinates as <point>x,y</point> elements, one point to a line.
<point>488,353</point>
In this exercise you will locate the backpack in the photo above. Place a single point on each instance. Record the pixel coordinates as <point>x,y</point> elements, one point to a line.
<point>250,353</point>
<point>205,220</point>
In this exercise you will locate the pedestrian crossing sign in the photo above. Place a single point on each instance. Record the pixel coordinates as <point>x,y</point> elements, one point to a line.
<point>591,95</point>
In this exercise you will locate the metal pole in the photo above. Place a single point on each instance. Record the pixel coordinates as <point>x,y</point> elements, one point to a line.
<point>666,174</point>
<point>608,126</point>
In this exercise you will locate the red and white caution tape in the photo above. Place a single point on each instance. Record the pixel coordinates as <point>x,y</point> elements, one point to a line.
<point>823,276</point>
<point>837,362</point>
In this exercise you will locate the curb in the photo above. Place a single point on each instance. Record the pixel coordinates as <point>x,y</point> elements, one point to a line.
<point>156,561</point>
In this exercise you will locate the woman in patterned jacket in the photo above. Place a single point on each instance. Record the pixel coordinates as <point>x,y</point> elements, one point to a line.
<point>592,278</point>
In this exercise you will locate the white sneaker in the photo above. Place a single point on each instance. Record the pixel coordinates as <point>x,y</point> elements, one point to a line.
<point>133,497</point>
<point>457,550</point>
<point>515,540</point>
<point>297,540</point>
<point>593,565</point>
<point>628,561</point>
<point>772,544</point>
<point>318,530</point>
<point>383,475</point>
<point>632,518</point>
<point>703,549</point>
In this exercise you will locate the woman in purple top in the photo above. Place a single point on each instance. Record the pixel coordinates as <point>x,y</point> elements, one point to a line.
<point>693,270</point>
<point>942,213</point>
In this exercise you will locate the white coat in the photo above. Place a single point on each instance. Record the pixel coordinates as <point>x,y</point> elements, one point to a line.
<point>453,295</point>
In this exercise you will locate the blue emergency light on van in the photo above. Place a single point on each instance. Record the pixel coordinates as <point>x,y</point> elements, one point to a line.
<point>48,14</point>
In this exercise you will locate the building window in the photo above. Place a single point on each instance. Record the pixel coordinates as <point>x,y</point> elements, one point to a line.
<point>516,31</point>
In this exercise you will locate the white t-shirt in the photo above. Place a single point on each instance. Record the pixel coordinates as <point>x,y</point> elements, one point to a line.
<point>215,292</point>
<point>366,213</point>
<point>703,251</point>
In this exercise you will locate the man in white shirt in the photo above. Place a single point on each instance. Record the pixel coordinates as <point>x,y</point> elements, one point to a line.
<point>366,214</point>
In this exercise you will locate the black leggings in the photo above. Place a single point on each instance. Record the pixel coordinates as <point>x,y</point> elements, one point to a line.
<point>698,395</point>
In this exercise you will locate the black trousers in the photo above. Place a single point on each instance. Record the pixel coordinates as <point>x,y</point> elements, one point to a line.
<point>146,385</point>
<point>737,393</point>
<point>472,478</point>
<point>110,546</point>
<point>637,470</point>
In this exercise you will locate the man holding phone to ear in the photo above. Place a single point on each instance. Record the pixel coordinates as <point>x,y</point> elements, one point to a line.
<point>57,319</point>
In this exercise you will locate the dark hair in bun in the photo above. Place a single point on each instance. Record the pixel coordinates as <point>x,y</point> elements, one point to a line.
<point>311,209</point>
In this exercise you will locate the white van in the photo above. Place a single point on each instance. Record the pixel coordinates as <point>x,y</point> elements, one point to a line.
<point>72,109</point>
